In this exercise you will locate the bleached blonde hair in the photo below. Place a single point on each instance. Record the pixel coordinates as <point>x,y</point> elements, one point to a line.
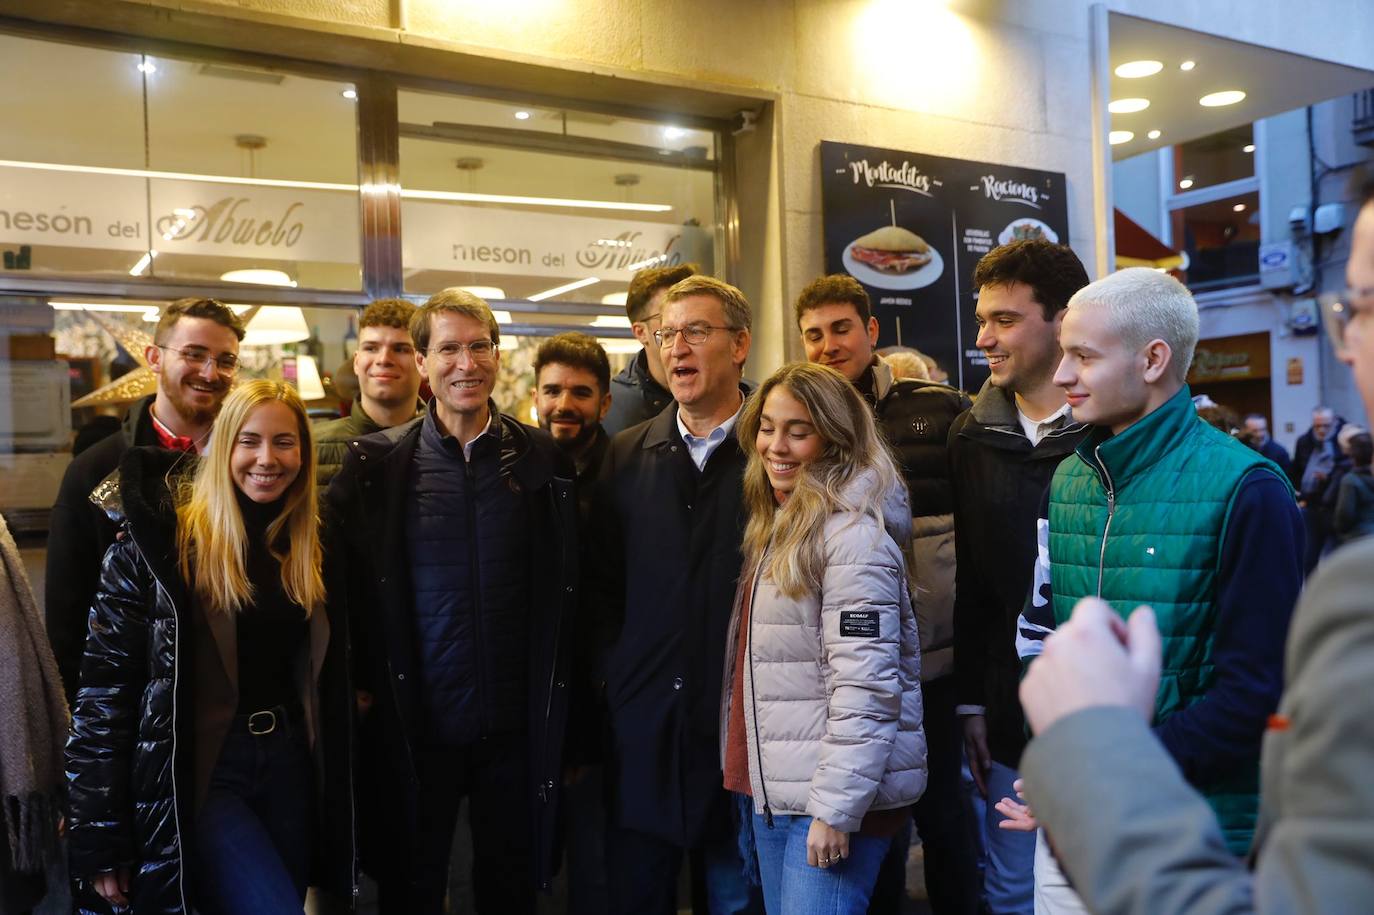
<point>1143,304</point>
<point>212,542</point>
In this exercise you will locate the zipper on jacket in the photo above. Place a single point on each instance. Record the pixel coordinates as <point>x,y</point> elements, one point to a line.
<point>475,585</point>
<point>176,676</point>
<point>555,517</point>
<point>753,701</point>
<point>1111,510</point>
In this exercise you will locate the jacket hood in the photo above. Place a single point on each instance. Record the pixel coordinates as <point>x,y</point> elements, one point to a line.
<point>896,505</point>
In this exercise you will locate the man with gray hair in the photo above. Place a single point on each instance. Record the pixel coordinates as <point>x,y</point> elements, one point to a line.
<point>1157,507</point>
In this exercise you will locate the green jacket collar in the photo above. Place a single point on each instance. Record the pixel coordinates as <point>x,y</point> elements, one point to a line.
<point>1142,444</point>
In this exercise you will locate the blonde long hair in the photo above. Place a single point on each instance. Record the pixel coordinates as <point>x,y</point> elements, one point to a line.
<point>212,543</point>
<point>792,535</point>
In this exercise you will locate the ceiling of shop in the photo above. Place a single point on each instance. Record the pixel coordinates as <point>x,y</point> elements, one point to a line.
<point>1274,82</point>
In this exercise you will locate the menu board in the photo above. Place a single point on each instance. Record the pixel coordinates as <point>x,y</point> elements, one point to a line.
<point>911,228</point>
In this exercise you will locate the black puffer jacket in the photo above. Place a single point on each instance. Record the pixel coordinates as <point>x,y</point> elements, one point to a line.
<point>130,758</point>
<point>915,418</point>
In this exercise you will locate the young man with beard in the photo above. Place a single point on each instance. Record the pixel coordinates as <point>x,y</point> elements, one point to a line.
<point>1157,507</point>
<point>640,391</point>
<point>459,532</point>
<point>1002,454</point>
<point>838,329</point>
<point>1131,831</point>
<point>194,358</point>
<point>571,396</point>
<point>667,523</point>
<point>388,384</point>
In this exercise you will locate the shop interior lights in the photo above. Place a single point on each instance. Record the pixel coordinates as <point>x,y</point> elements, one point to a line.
<point>1153,135</point>
<point>1128,105</point>
<point>1117,137</point>
<point>1248,148</point>
<point>566,287</point>
<point>1187,65</point>
<point>1137,69</point>
<point>1222,99</point>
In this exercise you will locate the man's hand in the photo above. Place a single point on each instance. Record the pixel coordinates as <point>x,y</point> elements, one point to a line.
<point>1092,660</point>
<point>825,845</point>
<point>976,748</point>
<point>114,886</point>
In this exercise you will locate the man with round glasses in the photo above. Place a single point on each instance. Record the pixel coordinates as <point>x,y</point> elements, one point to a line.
<point>194,358</point>
<point>459,535</point>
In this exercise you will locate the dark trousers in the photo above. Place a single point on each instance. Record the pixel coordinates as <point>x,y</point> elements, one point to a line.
<point>642,875</point>
<point>253,830</point>
<point>490,774</point>
<point>942,820</point>
<point>584,833</point>
<point>1317,522</point>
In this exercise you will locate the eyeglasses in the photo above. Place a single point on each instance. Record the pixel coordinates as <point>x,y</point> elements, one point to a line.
<point>196,357</point>
<point>1345,314</point>
<point>479,350</point>
<point>694,334</point>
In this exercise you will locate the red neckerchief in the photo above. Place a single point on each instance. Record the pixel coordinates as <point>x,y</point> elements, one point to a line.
<point>170,440</point>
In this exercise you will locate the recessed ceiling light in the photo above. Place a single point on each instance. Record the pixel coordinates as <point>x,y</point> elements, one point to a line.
<point>350,94</point>
<point>1187,65</point>
<point>1186,183</point>
<point>1128,105</point>
<point>1136,69</point>
<point>1153,135</point>
<point>522,115</point>
<point>1221,99</point>
<point>147,66</point>
<point>1239,208</point>
<point>1117,137</point>
<point>261,277</point>
<point>1248,147</point>
<point>673,133</point>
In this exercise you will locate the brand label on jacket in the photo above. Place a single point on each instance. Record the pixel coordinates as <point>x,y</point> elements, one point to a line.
<point>859,624</point>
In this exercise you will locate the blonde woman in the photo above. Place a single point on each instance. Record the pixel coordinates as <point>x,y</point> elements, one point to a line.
<point>203,733</point>
<point>822,701</point>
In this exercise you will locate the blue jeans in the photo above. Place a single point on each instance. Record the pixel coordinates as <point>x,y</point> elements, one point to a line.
<point>1010,875</point>
<point>253,831</point>
<point>793,887</point>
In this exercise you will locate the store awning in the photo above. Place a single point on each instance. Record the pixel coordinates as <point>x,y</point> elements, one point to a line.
<point>1136,247</point>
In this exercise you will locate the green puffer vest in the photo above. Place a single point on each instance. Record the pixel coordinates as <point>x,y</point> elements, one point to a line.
<point>1140,518</point>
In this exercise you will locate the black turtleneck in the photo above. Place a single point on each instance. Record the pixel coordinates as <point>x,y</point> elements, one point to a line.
<point>271,630</point>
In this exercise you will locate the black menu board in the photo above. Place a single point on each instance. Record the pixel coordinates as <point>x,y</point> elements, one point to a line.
<point>911,227</point>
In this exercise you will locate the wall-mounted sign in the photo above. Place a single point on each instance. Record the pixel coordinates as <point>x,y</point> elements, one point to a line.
<point>1240,358</point>
<point>911,228</point>
<point>120,213</point>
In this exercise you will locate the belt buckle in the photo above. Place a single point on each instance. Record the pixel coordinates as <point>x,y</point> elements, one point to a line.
<point>269,719</point>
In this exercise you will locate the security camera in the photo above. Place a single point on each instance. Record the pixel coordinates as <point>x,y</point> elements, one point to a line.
<point>744,122</point>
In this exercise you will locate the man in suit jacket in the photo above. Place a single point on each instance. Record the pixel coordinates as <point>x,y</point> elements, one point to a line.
<point>1129,831</point>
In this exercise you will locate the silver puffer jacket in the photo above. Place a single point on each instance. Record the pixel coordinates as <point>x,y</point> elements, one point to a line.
<point>832,699</point>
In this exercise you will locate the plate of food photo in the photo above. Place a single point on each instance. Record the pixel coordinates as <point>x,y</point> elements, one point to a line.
<point>1026,228</point>
<point>893,258</point>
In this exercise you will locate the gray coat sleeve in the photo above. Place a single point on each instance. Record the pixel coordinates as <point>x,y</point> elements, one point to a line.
<point>1135,838</point>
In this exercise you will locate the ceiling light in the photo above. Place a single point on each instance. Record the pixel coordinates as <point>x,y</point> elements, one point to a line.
<point>1117,137</point>
<point>610,320</point>
<point>1128,105</point>
<point>329,186</point>
<point>259,277</point>
<point>1187,65</point>
<point>1221,99</point>
<point>503,317</point>
<point>113,308</point>
<point>1186,183</point>
<point>566,287</point>
<point>485,292</point>
<point>1136,69</point>
<point>619,345</point>
<point>673,133</point>
<point>615,298</point>
<point>1239,208</point>
<point>1153,135</point>
<point>276,324</point>
<point>1248,148</point>
<point>522,115</point>
<point>147,66</point>
<point>143,264</point>
<point>350,94</point>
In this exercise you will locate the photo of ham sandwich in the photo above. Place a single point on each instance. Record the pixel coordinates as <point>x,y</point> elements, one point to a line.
<point>891,249</point>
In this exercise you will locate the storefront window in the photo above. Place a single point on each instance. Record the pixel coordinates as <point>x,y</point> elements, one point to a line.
<point>1221,239</point>
<point>117,165</point>
<point>1215,159</point>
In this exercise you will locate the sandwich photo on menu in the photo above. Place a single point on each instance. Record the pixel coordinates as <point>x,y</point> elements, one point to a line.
<point>891,249</point>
